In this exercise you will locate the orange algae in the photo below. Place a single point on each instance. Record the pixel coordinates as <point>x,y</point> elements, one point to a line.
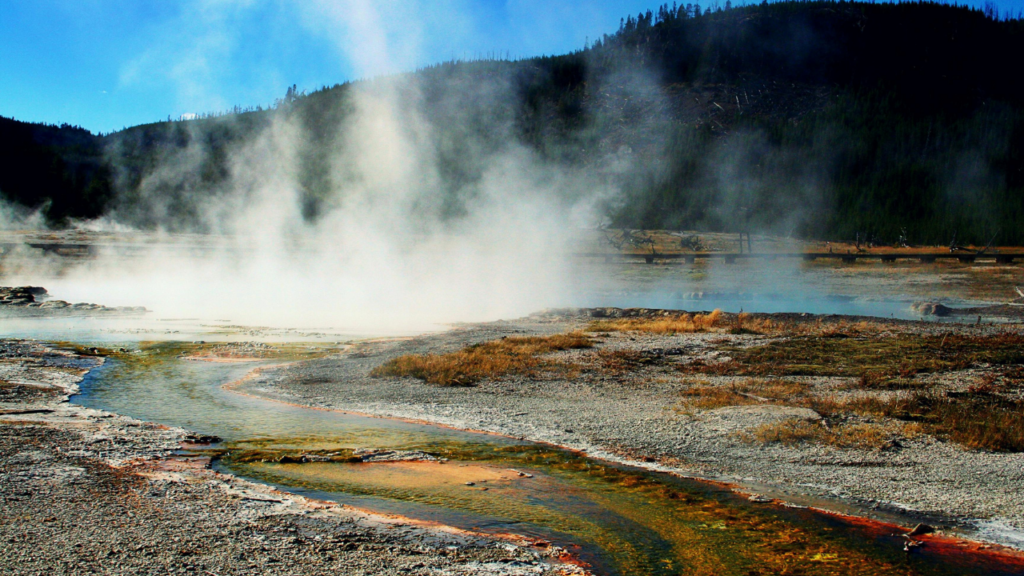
<point>630,521</point>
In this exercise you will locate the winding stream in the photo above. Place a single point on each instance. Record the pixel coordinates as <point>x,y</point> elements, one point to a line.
<point>618,519</point>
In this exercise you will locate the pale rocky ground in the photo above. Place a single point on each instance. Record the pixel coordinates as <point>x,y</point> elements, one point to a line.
<point>84,491</point>
<point>637,418</point>
<point>20,301</point>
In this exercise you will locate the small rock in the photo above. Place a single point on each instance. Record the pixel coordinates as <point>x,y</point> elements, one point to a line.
<point>911,544</point>
<point>921,529</point>
<point>931,309</point>
<point>200,438</point>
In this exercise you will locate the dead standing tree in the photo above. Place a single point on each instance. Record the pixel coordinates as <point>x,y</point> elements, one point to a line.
<point>989,244</point>
<point>640,239</point>
<point>902,241</point>
<point>616,243</point>
<point>953,246</point>
<point>692,242</point>
<point>743,217</point>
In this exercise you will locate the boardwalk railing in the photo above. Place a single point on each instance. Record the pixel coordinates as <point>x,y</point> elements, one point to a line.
<point>731,257</point>
<point>85,250</point>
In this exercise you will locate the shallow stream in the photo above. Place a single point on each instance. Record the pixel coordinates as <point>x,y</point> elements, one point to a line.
<point>618,519</point>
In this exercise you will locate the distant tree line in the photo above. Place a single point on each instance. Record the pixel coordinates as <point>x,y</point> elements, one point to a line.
<point>824,119</point>
<point>58,169</point>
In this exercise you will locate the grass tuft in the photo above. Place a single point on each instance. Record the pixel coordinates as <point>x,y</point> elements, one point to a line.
<point>511,355</point>
<point>706,396</point>
<point>883,358</point>
<point>977,419</point>
<point>795,431</point>
<point>674,324</point>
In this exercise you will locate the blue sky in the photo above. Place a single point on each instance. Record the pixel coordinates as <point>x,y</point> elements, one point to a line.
<point>106,64</point>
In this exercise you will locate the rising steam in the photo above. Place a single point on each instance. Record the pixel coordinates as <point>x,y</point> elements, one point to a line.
<point>393,246</point>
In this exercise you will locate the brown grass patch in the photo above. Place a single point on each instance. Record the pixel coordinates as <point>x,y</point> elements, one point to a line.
<point>709,397</point>
<point>789,432</point>
<point>726,368</point>
<point>1014,375</point>
<point>878,359</point>
<point>666,322</point>
<point>981,421</point>
<point>795,431</point>
<point>511,355</point>
<point>673,324</point>
<point>744,323</point>
<point>974,420</point>
<point>913,429</point>
<point>620,362</point>
<point>625,361</point>
<point>835,329</point>
<point>706,396</point>
<point>887,381</point>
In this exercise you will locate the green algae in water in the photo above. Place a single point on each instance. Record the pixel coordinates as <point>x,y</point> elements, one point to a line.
<point>630,521</point>
<point>154,382</point>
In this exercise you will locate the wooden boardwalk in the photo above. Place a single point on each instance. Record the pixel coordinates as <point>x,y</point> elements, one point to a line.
<point>731,257</point>
<point>86,250</point>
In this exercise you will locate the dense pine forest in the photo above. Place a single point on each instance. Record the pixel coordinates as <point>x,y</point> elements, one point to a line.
<point>62,168</point>
<point>819,119</point>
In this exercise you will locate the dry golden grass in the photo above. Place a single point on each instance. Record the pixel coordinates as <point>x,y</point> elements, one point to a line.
<point>977,419</point>
<point>674,324</point>
<point>742,323</point>
<point>775,389</point>
<point>982,422</point>
<point>624,361</point>
<point>881,360</point>
<point>706,396</point>
<point>834,329</point>
<point>974,420</point>
<point>789,432</point>
<point>512,355</point>
<point>714,321</point>
<point>795,431</point>
<point>913,429</point>
<point>863,436</point>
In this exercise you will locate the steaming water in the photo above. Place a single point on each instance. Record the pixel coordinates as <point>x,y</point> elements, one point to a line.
<point>625,521</point>
<point>207,301</point>
<point>152,327</point>
<point>733,288</point>
<point>756,302</point>
<point>866,289</point>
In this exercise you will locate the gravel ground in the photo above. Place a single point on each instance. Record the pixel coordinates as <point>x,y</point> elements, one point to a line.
<point>634,418</point>
<point>84,491</point>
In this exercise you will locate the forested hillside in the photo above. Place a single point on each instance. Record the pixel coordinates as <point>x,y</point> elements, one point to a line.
<point>823,119</point>
<point>60,169</point>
